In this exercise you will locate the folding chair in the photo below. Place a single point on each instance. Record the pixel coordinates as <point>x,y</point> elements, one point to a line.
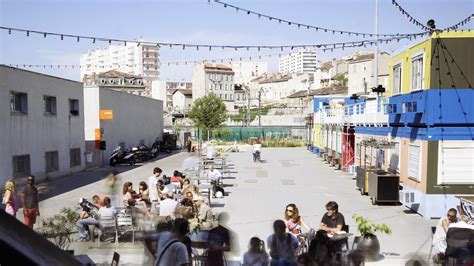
<point>107,224</point>
<point>125,224</point>
<point>346,229</point>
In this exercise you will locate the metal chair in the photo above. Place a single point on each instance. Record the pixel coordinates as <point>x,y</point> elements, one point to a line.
<point>125,224</point>
<point>107,223</point>
<point>346,229</point>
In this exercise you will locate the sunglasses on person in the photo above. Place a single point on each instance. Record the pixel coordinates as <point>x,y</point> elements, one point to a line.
<point>288,210</point>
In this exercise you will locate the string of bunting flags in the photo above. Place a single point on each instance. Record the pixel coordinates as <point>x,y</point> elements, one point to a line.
<point>461,23</point>
<point>324,46</point>
<point>306,26</point>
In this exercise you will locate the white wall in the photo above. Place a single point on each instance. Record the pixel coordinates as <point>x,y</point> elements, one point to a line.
<point>35,133</point>
<point>179,101</point>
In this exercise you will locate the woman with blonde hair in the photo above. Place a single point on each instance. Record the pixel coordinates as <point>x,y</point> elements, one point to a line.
<point>9,198</point>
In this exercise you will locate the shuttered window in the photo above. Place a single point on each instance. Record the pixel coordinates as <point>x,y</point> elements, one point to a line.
<point>414,157</point>
<point>456,162</point>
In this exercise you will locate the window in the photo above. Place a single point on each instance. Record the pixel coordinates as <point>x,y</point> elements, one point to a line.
<point>225,96</point>
<point>397,79</point>
<point>74,107</point>
<point>417,73</point>
<point>18,102</point>
<point>455,159</point>
<point>51,161</point>
<point>414,157</point>
<point>75,157</point>
<point>49,105</point>
<point>21,165</point>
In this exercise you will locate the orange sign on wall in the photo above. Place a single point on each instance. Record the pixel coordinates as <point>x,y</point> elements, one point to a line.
<point>106,114</point>
<point>97,137</point>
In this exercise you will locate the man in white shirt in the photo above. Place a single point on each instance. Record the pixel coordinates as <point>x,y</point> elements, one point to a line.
<point>213,174</point>
<point>170,251</point>
<point>439,238</point>
<point>153,183</point>
<point>168,206</point>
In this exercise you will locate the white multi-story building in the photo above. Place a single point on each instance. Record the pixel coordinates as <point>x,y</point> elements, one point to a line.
<point>42,125</point>
<point>361,72</point>
<point>245,71</point>
<point>305,60</point>
<point>142,60</point>
<point>118,81</point>
<point>214,78</point>
<point>164,89</point>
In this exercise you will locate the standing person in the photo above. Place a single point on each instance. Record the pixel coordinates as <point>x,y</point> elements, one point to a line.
<point>439,238</point>
<point>9,198</point>
<point>256,255</point>
<point>29,199</point>
<point>153,184</point>
<point>170,251</point>
<point>282,245</point>
<point>332,221</point>
<point>112,187</point>
<point>256,151</point>
<point>189,144</point>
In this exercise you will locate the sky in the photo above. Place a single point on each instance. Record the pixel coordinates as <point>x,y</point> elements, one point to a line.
<point>200,22</point>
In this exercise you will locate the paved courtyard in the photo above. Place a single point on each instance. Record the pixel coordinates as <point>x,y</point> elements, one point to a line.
<point>258,196</point>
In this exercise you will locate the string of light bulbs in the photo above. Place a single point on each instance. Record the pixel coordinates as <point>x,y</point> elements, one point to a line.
<point>306,26</point>
<point>124,42</point>
<point>323,48</point>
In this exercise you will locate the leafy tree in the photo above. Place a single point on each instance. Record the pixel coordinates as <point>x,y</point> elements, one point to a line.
<point>208,112</point>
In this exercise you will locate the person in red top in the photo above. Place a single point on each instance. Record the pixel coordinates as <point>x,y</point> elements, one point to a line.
<point>293,220</point>
<point>98,201</point>
<point>177,179</point>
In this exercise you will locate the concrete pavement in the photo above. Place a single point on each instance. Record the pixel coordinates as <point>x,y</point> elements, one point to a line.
<point>258,196</point>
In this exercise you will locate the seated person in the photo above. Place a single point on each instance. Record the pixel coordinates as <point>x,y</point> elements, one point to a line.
<point>439,238</point>
<point>107,211</point>
<point>136,213</point>
<point>88,216</point>
<point>168,206</point>
<point>213,174</point>
<point>332,221</point>
<point>186,184</point>
<point>282,245</point>
<point>186,209</point>
<point>176,179</point>
<point>256,255</point>
<point>162,189</point>
<point>460,240</point>
<point>204,217</point>
<point>98,201</point>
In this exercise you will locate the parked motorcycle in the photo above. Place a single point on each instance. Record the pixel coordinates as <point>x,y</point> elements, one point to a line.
<point>121,156</point>
<point>155,149</point>
<point>142,152</point>
<point>166,147</point>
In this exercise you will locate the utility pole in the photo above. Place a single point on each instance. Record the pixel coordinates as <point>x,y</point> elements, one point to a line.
<point>259,107</point>
<point>248,108</point>
<point>376,47</point>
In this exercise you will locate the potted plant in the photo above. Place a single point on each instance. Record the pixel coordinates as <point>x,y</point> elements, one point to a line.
<point>59,228</point>
<point>368,241</point>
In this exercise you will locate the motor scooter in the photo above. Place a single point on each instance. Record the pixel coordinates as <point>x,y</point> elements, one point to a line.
<point>121,156</point>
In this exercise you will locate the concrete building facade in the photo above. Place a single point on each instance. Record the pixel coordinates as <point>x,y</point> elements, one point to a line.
<point>163,90</point>
<point>42,120</point>
<point>182,100</point>
<point>134,120</point>
<point>143,60</point>
<point>214,78</point>
<point>245,71</point>
<point>361,72</point>
<point>305,60</point>
<point>118,81</point>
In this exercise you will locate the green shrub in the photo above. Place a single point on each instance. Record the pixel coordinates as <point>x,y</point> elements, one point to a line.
<point>366,226</point>
<point>58,228</point>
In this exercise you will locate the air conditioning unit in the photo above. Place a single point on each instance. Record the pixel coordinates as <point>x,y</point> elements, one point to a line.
<point>408,197</point>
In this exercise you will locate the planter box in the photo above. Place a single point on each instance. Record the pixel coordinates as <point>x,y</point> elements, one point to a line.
<point>362,179</point>
<point>384,188</point>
